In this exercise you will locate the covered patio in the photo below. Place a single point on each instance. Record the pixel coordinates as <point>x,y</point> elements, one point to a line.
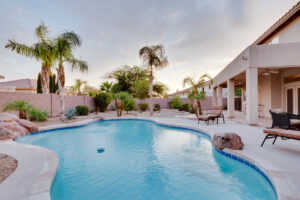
<point>269,76</point>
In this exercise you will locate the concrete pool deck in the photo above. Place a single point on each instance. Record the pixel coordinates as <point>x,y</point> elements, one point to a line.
<point>280,161</point>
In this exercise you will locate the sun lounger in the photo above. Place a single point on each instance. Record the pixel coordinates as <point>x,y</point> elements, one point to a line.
<point>215,114</point>
<point>284,134</point>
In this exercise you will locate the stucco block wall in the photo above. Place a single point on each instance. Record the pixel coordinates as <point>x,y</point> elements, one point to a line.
<point>47,102</point>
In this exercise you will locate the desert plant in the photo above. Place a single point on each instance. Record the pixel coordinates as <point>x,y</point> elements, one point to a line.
<point>143,106</point>
<point>34,114</point>
<point>70,114</point>
<point>156,107</point>
<point>102,100</point>
<point>21,105</point>
<point>176,103</point>
<point>82,110</point>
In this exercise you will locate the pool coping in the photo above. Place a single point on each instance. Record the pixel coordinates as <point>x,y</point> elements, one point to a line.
<point>226,152</point>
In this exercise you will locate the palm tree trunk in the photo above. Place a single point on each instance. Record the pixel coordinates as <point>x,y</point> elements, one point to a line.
<point>61,82</point>
<point>151,91</point>
<point>45,73</point>
<point>199,107</point>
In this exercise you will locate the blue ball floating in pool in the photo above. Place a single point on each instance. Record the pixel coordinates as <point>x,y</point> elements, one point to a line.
<point>100,150</point>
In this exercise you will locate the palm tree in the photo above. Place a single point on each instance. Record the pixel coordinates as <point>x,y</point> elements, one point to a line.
<point>42,51</point>
<point>198,84</point>
<point>106,86</point>
<point>78,85</point>
<point>154,57</point>
<point>64,45</point>
<point>22,106</point>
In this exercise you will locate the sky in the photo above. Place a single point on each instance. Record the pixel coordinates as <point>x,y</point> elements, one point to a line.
<point>200,36</point>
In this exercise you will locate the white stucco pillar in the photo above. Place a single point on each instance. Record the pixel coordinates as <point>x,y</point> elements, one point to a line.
<point>230,98</point>
<point>220,95</point>
<point>215,97</point>
<point>252,95</point>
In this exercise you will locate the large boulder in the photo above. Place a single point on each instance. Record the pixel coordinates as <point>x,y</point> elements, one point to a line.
<point>28,124</point>
<point>228,140</point>
<point>12,127</point>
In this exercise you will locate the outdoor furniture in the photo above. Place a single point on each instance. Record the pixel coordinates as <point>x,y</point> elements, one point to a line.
<point>284,134</point>
<point>285,120</point>
<point>215,114</point>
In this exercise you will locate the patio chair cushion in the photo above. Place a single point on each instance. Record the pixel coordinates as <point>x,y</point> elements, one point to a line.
<point>295,121</point>
<point>283,133</point>
<point>206,117</point>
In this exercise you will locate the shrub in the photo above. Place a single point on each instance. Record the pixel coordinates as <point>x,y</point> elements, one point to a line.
<point>143,106</point>
<point>21,105</point>
<point>70,114</point>
<point>156,107</point>
<point>82,110</point>
<point>185,107</point>
<point>34,114</point>
<point>129,104</point>
<point>102,100</point>
<point>176,103</point>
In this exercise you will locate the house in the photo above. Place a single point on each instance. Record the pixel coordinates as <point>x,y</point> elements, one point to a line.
<point>184,93</point>
<point>21,85</point>
<point>268,71</point>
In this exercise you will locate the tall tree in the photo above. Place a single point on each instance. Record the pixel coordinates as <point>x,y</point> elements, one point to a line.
<point>203,80</point>
<point>64,45</point>
<point>53,85</point>
<point>154,57</point>
<point>159,89</point>
<point>125,77</point>
<point>42,51</point>
<point>39,84</point>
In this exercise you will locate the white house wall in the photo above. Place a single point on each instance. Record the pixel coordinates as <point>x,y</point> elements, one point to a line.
<point>289,34</point>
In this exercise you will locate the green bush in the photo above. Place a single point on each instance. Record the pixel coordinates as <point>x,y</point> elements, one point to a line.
<point>82,110</point>
<point>103,99</point>
<point>185,107</point>
<point>34,114</point>
<point>129,104</point>
<point>156,107</point>
<point>143,106</point>
<point>176,103</point>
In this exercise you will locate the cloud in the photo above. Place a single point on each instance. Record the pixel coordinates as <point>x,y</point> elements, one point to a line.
<point>200,36</point>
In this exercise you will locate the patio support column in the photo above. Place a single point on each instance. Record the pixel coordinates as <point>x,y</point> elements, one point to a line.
<point>215,97</point>
<point>220,95</point>
<point>230,98</point>
<point>252,95</point>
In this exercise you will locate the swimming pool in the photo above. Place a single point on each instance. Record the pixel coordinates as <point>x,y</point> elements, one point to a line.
<point>143,160</point>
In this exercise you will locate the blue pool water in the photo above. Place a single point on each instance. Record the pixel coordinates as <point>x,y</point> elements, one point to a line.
<point>143,160</point>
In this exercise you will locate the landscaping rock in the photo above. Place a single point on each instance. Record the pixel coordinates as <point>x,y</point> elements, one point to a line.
<point>28,124</point>
<point>12,127</point>
<point>228,140</point>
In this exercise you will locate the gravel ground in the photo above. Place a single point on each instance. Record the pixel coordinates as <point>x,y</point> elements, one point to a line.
<point>8,165</point>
